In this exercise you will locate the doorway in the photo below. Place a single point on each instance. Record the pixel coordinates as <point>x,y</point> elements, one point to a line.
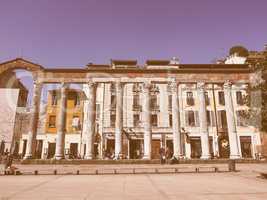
<point>224,147</point>
<point>245,142</point>
<point>155,149</point>
<point>73,150</point>
<point>135,149</point>
<point>195,147</point>
<point>51,150</point>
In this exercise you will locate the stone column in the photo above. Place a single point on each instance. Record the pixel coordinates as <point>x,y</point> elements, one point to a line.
<point>90,120</point>
<point>175,121</point>
<point>231,125</point>
<point>31,142</point>
<point>61,123</point>
<point>147,121</point>
<point>203,121</point>
<point>119,119</point>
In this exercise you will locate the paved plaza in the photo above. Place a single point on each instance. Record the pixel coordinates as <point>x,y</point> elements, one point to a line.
<point>243,185</point>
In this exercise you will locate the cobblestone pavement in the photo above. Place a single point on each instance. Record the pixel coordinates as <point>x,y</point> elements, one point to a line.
<point>243,185</point>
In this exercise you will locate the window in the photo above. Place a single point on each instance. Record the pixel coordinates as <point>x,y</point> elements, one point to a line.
<point>52,121</point>
<point>76,122</point>
<point>154,120</point>
<point>239,98</point>
<point>170,120</point>
<point>136,120</point>
<point>153,102</point>
<point>136,100</point>
<point>191,118</point>
<point>242,118</point>
<point>222,121</point>
<point>54,98</point>
<point>113,102</point>
<point>170,101</point>
<point>208,118</point>
<point>221,98</point>
<point>112,120</point>
<point>189,99</point>
<point>76,99</point>
<point>207,99</point>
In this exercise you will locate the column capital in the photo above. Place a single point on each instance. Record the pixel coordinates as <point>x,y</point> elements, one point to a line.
<point>201,85</point>
<point>173,86</point>
<point>146,86</point>
<point>227,84</point>
<point>91,83</point>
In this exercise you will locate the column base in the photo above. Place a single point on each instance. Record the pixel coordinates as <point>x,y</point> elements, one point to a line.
<point>89,157</point>
<point>233,157</point>
<point>28,157</point>
<point>59,157</point>
<point>146,157</point>
<point>205,157</point>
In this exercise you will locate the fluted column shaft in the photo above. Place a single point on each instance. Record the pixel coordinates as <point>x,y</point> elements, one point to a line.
<point>203,121</point>
<point>61,123</point>
<point>175,121</point>
<point>147,121</point>
<point>31,142</point>
<point>231,125</point>
<point>119,120</point>
<point>90,121</point>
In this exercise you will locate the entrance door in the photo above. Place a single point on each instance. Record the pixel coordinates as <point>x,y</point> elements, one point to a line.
<point>224,148</point>
<point>155,149</point>
<point>51,150</point>
<point>39,148</point>
<point>245,142</point>
<point>73,150</point>
<point>135,149</point>
<point>110,148</point>
<point>169,147</point>
<point>195,147</point>
<point>24,148</point>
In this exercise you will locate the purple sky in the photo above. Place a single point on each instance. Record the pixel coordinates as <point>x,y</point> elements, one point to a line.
<point>75,32</point>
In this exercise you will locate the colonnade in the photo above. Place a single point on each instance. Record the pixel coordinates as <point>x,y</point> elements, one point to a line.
<point>147,130</point>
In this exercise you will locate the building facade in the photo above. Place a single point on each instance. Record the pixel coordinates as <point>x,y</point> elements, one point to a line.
<point>126,111</point>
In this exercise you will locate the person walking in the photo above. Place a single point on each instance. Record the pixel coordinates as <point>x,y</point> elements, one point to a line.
<point>162,155</point>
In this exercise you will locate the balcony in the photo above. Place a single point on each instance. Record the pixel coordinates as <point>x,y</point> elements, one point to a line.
<point>137,108</point>
<point>154,108</point>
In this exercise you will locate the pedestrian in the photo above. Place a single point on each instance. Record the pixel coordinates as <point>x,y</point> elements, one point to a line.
<point>162,155</point>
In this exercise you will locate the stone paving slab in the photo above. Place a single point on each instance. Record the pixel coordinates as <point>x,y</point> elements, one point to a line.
<point>216,186</point>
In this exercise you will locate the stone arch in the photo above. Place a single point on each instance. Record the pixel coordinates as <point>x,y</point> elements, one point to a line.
<point>20,63</point>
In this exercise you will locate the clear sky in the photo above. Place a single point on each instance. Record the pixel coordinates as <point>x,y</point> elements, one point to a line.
<point>73,33</point>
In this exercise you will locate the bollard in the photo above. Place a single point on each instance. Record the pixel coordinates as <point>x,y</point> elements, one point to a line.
<point>231,166</point>
<point>78,172</point>
<point>55,172</point>
<point>197,170</point>
<point>115,171</point>
<point>216,169</point>
<point>96,171</point>
<point>35,172</point>
<point>156,171</point>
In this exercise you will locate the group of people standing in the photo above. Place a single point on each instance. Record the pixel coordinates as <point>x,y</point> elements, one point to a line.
<point>6,162</point>
<point>165,155</point>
